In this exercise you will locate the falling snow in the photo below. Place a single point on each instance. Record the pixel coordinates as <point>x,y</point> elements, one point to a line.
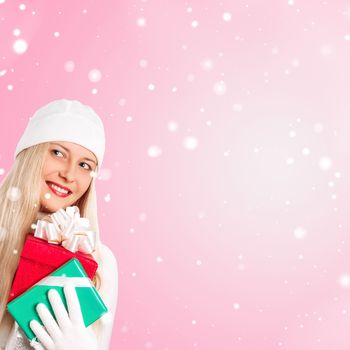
<point>2,233</point>
<point>190,143</point>
<point>154,151</point>
<point>325,163</point>
<point>105,174</point>
<point>172,126</point>
<point>95,75</point>
<point>299,233</point>
<point>207,64</point>
<point>20,46</point>
<point>344,281</point>
<point>256,217</point>
<point>226,16</point>
<point>151,87</point>
<point>16,32</point>
<point>143,63</point>
<point>141,22</point>
<point>13,194</point>
<point>69,66</point>
<point>220,88</point>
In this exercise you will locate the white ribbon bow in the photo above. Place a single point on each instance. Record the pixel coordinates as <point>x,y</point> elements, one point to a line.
<point>68,229</point>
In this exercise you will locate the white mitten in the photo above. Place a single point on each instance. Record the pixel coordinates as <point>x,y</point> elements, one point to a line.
<point>70,333</point>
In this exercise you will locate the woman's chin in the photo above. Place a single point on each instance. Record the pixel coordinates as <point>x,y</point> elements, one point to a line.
<point>50,208</point>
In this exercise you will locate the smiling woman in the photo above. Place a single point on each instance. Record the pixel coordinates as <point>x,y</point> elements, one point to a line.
<point>56,163</point>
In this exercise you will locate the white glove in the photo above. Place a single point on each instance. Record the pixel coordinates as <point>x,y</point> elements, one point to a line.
<point>70,333</point>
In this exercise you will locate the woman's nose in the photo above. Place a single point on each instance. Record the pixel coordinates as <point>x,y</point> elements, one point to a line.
<point>68,172</point>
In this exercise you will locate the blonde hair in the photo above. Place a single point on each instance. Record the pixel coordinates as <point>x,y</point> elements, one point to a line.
<point>19,207</point>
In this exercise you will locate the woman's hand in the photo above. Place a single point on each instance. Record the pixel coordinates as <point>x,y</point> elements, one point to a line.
<point>70,333</point>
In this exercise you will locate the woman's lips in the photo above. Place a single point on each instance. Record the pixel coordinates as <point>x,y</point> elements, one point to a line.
<point>57,193</point>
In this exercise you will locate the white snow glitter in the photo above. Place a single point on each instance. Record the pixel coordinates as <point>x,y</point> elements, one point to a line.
<point>143,63</point>
<point>305,151</point>
<point>344,281</point>
<point>2,233</point>
<point>141,22</point>
<point>220,88</point>
<point>105,174</point>
<point>16,32</point>
<point>142,217</point>
<point>236,306</point>
<point>226,16</point>
<point>122,102</point>
<point>154,151</point>
<point>20,46</point>
<point>69,66</point>
<point>172,126</point>
<point>95,75</point>
<point>13,194</point>
<point>325,163</point>
<point>207,64</point>
<point>299,232</point>
<point>190,142</point>
<point>194,24</point>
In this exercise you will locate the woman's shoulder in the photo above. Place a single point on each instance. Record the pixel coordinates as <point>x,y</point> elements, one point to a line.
<point>109,272</point>
<point>108,257</point>
<point>109,261</point>
<point>109,292</point>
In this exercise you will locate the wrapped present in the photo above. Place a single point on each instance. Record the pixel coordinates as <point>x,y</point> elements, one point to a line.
<point>23,308</point>
<point>40,258</point>
<point>61,237</point>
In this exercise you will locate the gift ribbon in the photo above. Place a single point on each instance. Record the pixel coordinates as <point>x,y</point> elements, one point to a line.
<point>60,281</point>
<point>68,229</point>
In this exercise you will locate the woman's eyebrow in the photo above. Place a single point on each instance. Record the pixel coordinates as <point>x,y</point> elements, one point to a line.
<point>91,160</point>
<point>57,144</point>
<point>85,158</point>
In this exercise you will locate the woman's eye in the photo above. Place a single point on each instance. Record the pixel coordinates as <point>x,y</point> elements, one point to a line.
<point>88,166</point>
<point>56,150</point>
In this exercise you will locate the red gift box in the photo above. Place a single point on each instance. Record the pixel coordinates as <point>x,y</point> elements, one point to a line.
<point>39,259</point>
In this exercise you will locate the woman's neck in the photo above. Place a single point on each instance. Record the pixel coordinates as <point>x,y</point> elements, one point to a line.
<point>42,214</point>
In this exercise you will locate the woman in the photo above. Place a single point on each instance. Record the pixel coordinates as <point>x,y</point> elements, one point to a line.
<point>56,163</point>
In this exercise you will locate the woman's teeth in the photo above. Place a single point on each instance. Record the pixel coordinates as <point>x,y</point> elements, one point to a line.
<point>58,189</point>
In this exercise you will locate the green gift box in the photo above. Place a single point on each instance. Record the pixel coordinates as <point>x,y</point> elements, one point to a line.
<point>92,306</point>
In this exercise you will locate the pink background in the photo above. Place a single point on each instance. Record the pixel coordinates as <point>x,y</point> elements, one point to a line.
<point>225,185</point>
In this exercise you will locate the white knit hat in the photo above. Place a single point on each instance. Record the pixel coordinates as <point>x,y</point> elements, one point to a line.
<point>65,120</point>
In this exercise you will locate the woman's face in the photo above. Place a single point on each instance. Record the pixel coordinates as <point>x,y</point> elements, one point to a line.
<point>67,174</point>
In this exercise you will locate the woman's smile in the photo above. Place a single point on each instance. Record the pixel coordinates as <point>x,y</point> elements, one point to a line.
<point>58,190</point>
